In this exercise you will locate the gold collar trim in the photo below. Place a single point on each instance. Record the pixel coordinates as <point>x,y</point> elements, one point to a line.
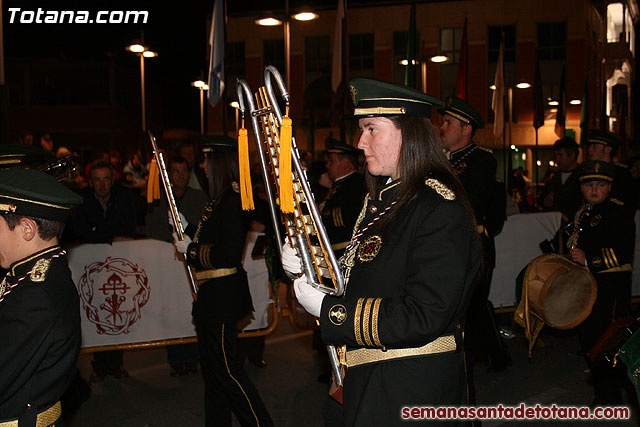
<point>32,257</point>
<point>387,188</point>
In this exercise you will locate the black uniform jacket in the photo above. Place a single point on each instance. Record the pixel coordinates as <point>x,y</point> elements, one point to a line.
<point>408,286</point>
<point>476,169</point>
<point>607,237</point>
<point>341,209</point>
<point>218,244</point>
<point>39,335</point>
<point>568,196</point>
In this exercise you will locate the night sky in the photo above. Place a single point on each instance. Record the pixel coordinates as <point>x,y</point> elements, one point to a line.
<point>176,30</point>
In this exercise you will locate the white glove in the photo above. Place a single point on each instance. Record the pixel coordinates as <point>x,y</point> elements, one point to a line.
<point>291,262</point>
<point>183,220</point>
<point>181,245</point>
<point>308,296</point>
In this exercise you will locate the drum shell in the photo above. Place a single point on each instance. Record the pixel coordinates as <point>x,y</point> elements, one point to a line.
<point>560,292</point>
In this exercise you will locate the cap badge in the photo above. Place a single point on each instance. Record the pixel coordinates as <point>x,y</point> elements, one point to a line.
<point>39,270</point>
<point>370,248</point>
<point>354,93</point>
<point>338,314</point>
<point>597,169</point>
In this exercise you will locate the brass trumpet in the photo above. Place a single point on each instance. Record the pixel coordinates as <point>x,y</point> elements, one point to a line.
<point>304,226</point>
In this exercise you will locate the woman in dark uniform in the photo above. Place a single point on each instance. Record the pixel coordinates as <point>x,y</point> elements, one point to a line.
<point>223,296</point>
<point>409,267</point>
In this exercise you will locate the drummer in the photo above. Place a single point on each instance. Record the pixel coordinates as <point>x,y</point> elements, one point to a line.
<point>604,242</point>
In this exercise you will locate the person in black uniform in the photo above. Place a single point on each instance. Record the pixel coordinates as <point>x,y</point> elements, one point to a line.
<point>476,169</point>
<point>344,200</point>
<point>39,305</point>
<point>409,267</point>
<point>223,295</point>
<point>603,240</point>
<point>603,145</point>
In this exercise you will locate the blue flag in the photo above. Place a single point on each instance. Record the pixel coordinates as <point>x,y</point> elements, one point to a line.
<point>216,59</point>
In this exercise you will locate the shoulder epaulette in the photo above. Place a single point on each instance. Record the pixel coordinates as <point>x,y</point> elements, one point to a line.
<point>440,188</point>
<point>622,165</point>
<point>616,201</point>
<point>39,271</point>
<point>488,150</point>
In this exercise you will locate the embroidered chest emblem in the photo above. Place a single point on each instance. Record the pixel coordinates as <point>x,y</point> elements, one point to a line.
<point>338,314</point>
<point>370,248</point>
<point>39,270</point>
<point>596,219</point>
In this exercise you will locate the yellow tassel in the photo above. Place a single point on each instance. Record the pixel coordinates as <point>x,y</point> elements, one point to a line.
<point>153,171</point>
<point>246,191</point>
<point>286,182</point>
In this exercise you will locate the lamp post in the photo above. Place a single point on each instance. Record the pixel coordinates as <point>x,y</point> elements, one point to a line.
<point>143,52</point>
<point>286,21</point>
<point>202,86</point>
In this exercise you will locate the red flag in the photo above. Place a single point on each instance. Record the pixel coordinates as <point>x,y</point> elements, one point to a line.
<point>461,80</point>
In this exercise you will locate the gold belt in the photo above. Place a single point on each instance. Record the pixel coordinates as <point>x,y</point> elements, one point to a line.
<point>43,419</point>
<point>363,356</point>
<point>212,274</point>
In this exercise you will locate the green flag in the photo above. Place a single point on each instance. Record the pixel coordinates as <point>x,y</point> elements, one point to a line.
<point>410,71</point>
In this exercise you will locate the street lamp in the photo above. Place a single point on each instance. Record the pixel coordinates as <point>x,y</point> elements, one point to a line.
<point>271,21</point>
<point>142,52</point>
<point>437,58</point>
<point>202,86</point>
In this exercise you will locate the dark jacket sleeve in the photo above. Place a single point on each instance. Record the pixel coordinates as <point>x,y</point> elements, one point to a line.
<point>26,318</point>
<point>478,182</point>
<point>435,284</point>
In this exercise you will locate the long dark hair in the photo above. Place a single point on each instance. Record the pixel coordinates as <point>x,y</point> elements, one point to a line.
<point>421,157</point>
<point>222,170</point>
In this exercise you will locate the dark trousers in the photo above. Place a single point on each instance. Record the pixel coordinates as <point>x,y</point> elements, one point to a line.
<point>613,301</point>
<point>227,386</point>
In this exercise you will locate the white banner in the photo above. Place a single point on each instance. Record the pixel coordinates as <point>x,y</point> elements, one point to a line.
<point>516,246</point>
<point>133,291</point>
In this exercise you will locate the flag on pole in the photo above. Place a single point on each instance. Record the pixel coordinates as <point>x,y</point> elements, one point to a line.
<point>410,71</point>
<point>538,99</point>
<point>461,80</point>
<point>216,59</point>
<point>336,62</point>
<point>497,102</point>
<point>584,114</point>
<point>562,107</point>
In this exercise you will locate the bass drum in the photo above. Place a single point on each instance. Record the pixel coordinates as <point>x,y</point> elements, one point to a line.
<point>560,292</point>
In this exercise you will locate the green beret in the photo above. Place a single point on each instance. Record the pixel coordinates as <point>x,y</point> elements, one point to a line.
<point>597,170</point>
<point>462,111</point>
<point>28,192</point>
<point>217,143</point>
<point>603,137</point>
<point>376,98</point>
<point>335,146</point>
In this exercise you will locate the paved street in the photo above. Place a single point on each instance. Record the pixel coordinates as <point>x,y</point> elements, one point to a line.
<point>150,397</point>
